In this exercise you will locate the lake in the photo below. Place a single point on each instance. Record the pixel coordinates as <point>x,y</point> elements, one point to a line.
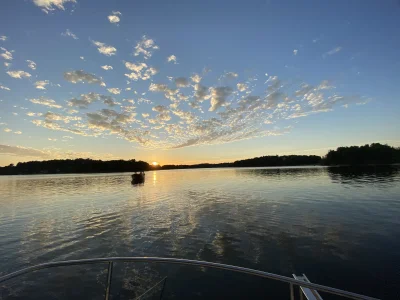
<point>339,226</point>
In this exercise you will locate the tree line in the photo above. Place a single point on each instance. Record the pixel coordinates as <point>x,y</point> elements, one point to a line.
<point>362,155</point>
<point>79,165</point>
<point>355,155</point>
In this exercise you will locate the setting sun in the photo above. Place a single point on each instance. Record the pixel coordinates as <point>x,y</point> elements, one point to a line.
<point>154,163</point>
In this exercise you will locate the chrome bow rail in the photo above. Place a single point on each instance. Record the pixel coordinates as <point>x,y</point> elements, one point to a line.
<point>111,260</point>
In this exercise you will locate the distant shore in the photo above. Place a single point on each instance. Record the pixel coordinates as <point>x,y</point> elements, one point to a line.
<point>367,155</point>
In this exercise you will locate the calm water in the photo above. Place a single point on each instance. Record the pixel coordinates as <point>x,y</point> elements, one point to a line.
<point>339,226</point>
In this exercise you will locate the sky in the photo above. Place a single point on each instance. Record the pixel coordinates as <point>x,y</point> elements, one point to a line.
<point>196,81</point>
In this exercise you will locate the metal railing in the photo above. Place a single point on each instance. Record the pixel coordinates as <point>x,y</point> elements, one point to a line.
<point>110,261</point>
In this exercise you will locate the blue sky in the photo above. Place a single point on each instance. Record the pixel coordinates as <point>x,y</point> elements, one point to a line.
<point>196,81</point>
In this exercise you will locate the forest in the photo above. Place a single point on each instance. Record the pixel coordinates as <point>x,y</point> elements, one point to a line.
<point>363,155</point>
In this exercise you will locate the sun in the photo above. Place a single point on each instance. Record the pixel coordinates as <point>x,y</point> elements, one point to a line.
<point>154,163</point>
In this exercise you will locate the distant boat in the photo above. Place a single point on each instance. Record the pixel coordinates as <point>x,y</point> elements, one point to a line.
<point>138,177</point>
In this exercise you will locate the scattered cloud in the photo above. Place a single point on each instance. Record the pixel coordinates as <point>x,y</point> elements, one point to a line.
<point>172,59</point>
<point>51,5</point>
<point>105,49</point>
<point>196,78</point>
<point>231,75</point>
<point>6,54</point>
<point>113,18</point>
<point>21,151</point>
<point>46,102</point>
<point>82,76</point>
<point>52,153</point>
<point>145,47</point>
<point>7,130</point>
<point>3,38</point>
<point>18,132</point>
<point>181,82</point>
<point>333,51</point>
<point>82,57</point>
<point>70,34</point>
<point>84,100</point>
<point>140,71</point>
<point>242,87</point>
<point>4,88</point>
<point>295,51</point>
<point>7,64</point>
<point>115,91</point>
<point>41,85</point>
<point>19,74</point>
<point>106,67</point>
<point>219,96</point>
<point>32,114</point>
<point>50,116</point>
<point>31,64</point>
<point>89,98</point>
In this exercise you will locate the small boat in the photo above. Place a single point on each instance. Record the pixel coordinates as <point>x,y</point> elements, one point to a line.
<point>138,177</point>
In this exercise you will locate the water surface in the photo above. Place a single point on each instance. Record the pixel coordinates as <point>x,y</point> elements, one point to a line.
<point>339,226</point>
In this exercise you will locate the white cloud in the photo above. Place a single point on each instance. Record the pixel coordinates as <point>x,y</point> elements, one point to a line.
<point>32,114</point>
<point>46,102</point>
<point>113,18</point>
<point>51,5</point>
<point>181,82</point>
<point>19,74</point>
<point>82,57</point>
<point>7,64</point>
<point>50,116</point>
<point>146,47</point>
<point>172,58</point>
<point>31,64</point>
<point>168,93</point>
<point>295,51</point>
<point>18,132</point>
<point>105,49</point>
<point>140,71</point>
<point>70,34</point>
<point>231,75</point>
<point>41,85</point>
<point>219,96</point>
<point>196,78</point>
<point>114,91</point>
<point>242,87</point>
<point>4,88</point>
<point>6,54</point>
<point>82,76</point>
<point>7,130</point>
<point>3,38</point>
<point>106,67</point>
<point>333,51</point>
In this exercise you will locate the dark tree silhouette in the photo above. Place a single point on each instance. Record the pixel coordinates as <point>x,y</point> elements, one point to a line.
<point>361,155</point>
<point>79,165</point>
